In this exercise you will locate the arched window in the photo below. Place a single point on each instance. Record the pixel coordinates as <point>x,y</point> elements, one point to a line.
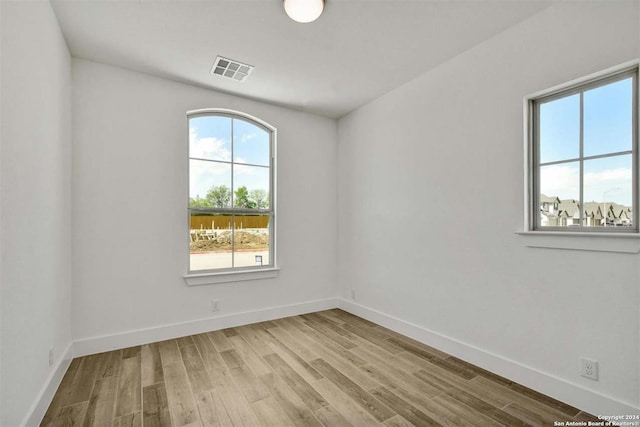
<point>231,192</point>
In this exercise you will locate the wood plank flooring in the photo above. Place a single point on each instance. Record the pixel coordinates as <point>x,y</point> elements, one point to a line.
<point>322,369</point>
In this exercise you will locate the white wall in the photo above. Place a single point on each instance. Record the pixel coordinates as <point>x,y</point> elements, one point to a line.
<point>129,205</point>
<point>35,204</point>
<point>431,195</point>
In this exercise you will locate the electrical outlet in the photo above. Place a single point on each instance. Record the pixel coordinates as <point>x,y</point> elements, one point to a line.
<point>589,368</point>
<point>215,305</point>
<point>52,355</point>
<point>353,294</point>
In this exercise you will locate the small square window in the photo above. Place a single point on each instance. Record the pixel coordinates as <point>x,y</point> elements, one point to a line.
<point>584,145</point>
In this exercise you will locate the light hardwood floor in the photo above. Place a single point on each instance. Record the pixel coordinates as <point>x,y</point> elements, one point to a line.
<point>323,369</point>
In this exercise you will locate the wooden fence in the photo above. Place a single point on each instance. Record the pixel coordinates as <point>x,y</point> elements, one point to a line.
<point>213,222</point>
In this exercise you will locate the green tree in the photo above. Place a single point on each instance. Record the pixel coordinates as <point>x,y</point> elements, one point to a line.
<point>219,197</point>
<point>198,202</point>
<point>242,199</point>
<point>260,197</point>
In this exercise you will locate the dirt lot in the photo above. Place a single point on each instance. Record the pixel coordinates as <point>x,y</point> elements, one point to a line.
<point>221,240</point>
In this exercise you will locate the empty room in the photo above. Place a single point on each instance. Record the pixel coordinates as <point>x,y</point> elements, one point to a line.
<point>319,213</point>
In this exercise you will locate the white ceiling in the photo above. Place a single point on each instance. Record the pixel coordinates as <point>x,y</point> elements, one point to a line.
<point>355,52</point>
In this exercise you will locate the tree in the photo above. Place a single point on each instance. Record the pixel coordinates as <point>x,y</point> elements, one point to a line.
<point>198,202</point>
<point>219,197</point>
<point>242,199</point>
<point>260,197</point>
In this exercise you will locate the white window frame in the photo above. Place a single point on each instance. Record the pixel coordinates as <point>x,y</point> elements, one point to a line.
<point>211,276</point>
<point>532,215</point>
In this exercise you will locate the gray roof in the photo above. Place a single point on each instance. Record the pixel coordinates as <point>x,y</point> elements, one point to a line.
<point>549,199</point>
<point>613,210</point>
<point>593,209</point>
<point>568,208</point>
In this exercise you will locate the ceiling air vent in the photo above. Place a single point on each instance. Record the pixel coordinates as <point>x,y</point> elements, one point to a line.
<point>225,67</point>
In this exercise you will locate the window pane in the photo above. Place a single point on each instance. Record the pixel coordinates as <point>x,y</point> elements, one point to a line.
<point>608,190</point>
<point>560,129</point>
<point>209,184</point>
<point>251,240</point>
<point>250,143</point>
<point>560,182</point>
<point>251,185</point>
<point>210,138</point>
<point>608,118</point>
<point>210,246</point>
<point>229,167</point>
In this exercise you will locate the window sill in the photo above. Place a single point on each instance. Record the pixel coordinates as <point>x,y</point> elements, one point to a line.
<point>230,276</point>
<point>628,243</point>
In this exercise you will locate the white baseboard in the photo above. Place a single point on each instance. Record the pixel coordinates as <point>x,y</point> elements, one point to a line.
<point>44,398</point>
<point>93,345</point>
<point>550,385</point>
<point>557,388</point>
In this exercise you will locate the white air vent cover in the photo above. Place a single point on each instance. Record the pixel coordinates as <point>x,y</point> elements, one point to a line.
<point>225,67</point>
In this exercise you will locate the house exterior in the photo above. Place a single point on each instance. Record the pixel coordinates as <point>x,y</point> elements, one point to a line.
<point>555,212</point>
<point>593,214</point>
<point>549,204</point>
<point>549,211</point>
<point>568,213</point>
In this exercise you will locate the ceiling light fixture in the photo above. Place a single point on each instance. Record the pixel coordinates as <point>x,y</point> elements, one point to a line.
<point>304,11</point>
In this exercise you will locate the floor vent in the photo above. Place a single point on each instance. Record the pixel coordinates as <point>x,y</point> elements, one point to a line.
<point>225,67</point>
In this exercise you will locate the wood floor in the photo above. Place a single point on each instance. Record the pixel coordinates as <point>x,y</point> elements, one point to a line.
<point>323,369</point>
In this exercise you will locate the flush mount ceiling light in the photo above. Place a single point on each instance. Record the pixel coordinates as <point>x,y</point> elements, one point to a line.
<point>303,10</point>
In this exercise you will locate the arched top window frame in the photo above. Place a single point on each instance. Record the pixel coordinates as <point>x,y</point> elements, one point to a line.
<point>270,211</point>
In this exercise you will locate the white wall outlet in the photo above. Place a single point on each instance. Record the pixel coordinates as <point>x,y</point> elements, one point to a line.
<point>353,294</point>
<point>52,356</point>
<point>215,305</point>
<point>589,368</point>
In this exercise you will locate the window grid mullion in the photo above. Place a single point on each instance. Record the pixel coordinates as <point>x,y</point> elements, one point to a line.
<point>595,157</point>
<point>233,205</point>
<point>581,203</point>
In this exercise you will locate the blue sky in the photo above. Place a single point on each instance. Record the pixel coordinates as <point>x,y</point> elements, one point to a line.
<point>607,129</point>
<point>210,138</point>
